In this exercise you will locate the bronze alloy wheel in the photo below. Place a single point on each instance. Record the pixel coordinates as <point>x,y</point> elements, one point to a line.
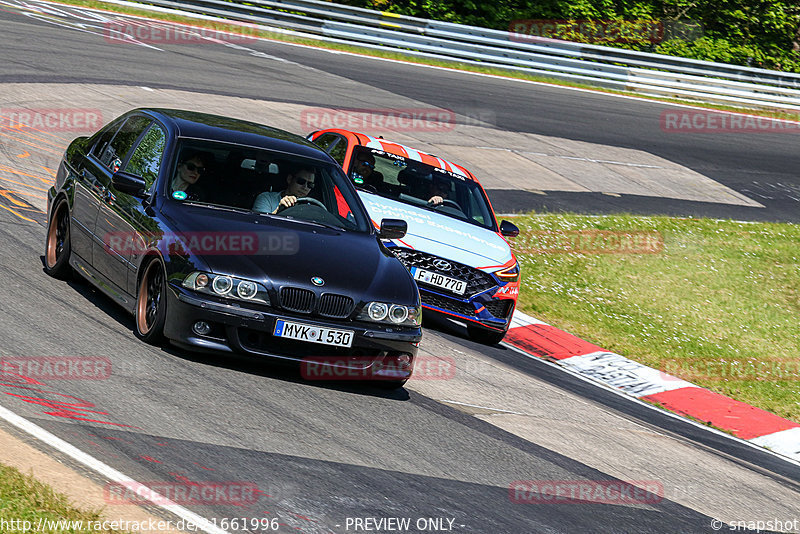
<point>57,246</point>
<point>150,303</point>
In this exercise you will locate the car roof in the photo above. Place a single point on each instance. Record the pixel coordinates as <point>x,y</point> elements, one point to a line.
<point>412,153</point>
<point>193,124</point>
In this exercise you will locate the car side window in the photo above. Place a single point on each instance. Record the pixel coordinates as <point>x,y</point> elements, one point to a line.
<point>333,144</point>
<point>105,139</point>
<point>146,159</point>
<point>338,151</point>
<point>325,140</point>
<point>114,153</point>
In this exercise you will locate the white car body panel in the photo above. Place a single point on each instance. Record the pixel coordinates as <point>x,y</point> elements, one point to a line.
<point>441,235</point>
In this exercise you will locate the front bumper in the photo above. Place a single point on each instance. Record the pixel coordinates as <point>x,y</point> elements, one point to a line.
<point>480,305</point>
<point>378,352</point>
<point>485,310</point>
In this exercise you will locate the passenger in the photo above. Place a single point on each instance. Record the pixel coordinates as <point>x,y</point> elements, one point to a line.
<point>195,164</point>
<point>299,183</point>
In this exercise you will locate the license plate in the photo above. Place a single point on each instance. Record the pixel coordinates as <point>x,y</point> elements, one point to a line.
<point>313,334</point>
<point>439,280</point>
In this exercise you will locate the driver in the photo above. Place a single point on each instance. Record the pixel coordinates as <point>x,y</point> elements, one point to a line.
<point>299,183</point>
<point>364,170</point>
<point>438,191</point>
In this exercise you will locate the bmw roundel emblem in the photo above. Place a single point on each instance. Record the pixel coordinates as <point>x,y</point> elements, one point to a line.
<point>317,281</point>
<point>442,265</point>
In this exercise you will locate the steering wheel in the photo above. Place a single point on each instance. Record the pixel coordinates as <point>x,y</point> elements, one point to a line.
<point>307,200</point>
<point>310,201</point>
<point>450,203</point>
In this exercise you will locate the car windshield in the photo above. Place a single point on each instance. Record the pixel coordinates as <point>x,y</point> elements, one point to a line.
<point>275,184</point>
<point>412,182</point>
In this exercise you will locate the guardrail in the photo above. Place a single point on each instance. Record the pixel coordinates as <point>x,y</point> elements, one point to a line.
<point>576,62</point>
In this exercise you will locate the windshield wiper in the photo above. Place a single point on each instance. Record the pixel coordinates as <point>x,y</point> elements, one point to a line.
<point>367,188</point>
<point>218,206</point>
<point>315,223</point>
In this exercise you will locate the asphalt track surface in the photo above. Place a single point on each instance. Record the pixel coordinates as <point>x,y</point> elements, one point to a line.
<point>324,452</point>
<point>764,166</point>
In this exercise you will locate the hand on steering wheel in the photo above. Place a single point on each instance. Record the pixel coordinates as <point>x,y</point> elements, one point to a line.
<point>290,201</point>
<point>445,202</point>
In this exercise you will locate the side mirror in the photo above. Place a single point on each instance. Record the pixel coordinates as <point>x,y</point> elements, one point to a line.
<point>509,229</point>
<point>392,229</point>
<point>126,182</point>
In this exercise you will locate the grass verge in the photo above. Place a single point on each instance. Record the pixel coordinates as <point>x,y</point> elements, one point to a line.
<point>399,56</point>
<point>23,498</point>
<point>713,302</point>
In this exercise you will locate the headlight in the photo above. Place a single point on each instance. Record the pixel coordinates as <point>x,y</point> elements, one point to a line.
<point>226,286</point>
<point>247,289</point>
<point>222,285</point>
<point>397,314</point>
<point>509,275</point>
<point>377,311</point>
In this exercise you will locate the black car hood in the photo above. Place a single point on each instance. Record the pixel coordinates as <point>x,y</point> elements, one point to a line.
<point>291,253</point>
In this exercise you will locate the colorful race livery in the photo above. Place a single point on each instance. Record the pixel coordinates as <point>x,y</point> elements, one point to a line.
<point>454,248</point>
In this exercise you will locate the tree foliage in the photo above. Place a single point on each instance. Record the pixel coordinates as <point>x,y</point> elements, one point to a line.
<point>758,33</point>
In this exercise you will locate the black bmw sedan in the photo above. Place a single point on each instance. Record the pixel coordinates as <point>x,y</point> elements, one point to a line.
<point>225,235</point>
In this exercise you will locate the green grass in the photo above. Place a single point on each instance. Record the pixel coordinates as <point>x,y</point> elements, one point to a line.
<point>23,498</point>
<point>390,54</point>
<point>718,305</point>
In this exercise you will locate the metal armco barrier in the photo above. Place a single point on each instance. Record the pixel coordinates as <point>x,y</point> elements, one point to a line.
<point>615,68</point>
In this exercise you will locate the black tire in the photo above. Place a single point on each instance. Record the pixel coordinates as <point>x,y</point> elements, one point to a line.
<point>484,335</point>
<point>58,248</point>
<point>151,304</point>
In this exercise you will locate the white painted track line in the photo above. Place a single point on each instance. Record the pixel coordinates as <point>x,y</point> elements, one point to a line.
<point>107,471</point>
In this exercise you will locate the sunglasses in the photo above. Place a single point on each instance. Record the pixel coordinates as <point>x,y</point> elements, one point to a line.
<point>192,167</point>
<point>367,163</point>
<point>303,181</point>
